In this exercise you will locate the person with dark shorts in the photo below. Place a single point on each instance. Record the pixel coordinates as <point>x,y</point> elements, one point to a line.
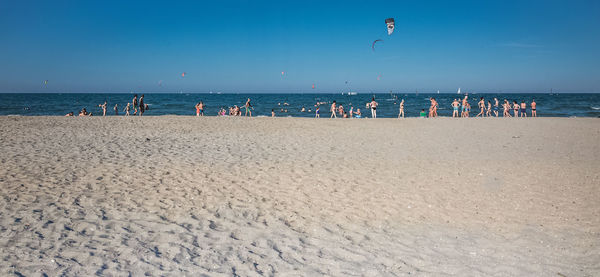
<point>142,106</point>
<point>523,109</point>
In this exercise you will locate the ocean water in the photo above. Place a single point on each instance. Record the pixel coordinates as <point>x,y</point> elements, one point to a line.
<point>58,104</point>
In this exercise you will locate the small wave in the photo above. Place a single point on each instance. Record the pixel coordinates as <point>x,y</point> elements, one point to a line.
<point>595,108</point>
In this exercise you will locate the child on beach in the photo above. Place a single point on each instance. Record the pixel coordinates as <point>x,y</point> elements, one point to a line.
<point>197,109</point>
<point>317,111</point>
<point>358,114</point>
<point>422,114</point>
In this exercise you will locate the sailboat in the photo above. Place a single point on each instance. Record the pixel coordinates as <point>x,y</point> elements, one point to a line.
<point>458,91</point>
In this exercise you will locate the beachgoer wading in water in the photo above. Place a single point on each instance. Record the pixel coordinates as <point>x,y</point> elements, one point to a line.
<point>248,106</point>
<point>373,106</point>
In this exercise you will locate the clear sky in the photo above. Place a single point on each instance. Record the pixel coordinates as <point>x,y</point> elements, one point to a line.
<point>243,46</point>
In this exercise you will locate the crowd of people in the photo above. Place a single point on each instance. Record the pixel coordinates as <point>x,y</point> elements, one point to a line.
<point>138,106</point>
<point>460,108</point>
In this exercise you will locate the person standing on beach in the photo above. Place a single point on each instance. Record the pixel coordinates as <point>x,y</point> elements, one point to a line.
<point>103,106</point>
<point>533,105</point>
<point>272,112</point>
<point>467,109</point>
<point>373,108</point>
<point>333,110</point>
<point>248,106</point>
<point>523,109</point>
<point>401,113</point>
<point>134,103</point>
<point>350,112</point>
<point>197,109</point>
<point>201,106</point>
<point>506,108</point>
<point>127,109</point>
<point>142,106</point>
<point>481,105</point>
<point>317,110</point>
<point>488,112</point>
<point>496,106</point>
<point>341,110</point>
<point>455,108</point>
<point>515,109</point>
<point>464,106</point>
<point>116,109</point>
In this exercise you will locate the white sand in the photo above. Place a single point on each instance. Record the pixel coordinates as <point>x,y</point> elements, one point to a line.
<point>187,196</point>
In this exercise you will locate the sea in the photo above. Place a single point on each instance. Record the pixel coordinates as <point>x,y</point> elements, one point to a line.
<point>289,105</point>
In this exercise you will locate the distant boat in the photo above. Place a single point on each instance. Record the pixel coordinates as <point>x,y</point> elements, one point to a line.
<point>438,91</point>
<point>352,93</point>
<point>458,91</point>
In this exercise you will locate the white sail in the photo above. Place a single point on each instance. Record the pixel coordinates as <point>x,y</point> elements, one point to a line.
<point>458,91</point>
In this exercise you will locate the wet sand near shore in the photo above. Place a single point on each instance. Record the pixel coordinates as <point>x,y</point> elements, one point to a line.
<point>186,196</point>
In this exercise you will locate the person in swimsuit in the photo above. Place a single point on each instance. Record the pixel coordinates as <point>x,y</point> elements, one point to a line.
<point>134,103</point>
<point>464,107</point>
<point>481,105</point>
<point>116,108</point>
<point>358,114</point>
<point>333,110</point>
<point>350,112</point>
<point>401,114</point>
<point>533,105</point>
<point>373,108</point>
<point>496,104</point>
<point>506,107</point>
<point>248,106</point>
<point>523,109</point>
<point>201,106</point>
<point>515,109</point>
<point>127,109</point>
<point>142,106</point>
<point>103,106</point>
<point>468,109</point>
<point>455,106</point>
<point>197,109</point>
<point>341,110</point>
<point>488,111</point>
<point>272,112</point>
<point>69,114</point>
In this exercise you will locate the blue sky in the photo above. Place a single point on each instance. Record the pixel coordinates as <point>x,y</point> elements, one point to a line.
<point>243,46</point>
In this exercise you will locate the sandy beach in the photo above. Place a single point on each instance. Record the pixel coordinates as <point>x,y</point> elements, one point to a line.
<point>186,196</point>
